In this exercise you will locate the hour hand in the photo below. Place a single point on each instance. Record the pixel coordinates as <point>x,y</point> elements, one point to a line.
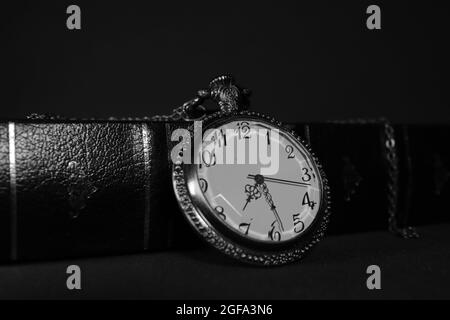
<point>252,193</point>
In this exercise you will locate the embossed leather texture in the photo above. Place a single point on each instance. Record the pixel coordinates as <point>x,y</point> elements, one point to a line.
<point>5,245</point>
<point>87,188</point>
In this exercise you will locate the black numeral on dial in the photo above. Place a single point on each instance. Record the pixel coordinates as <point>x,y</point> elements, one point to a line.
<point>219,211</point>
<point>274,235</point>
<point>299,226</point>
<point>219,138</point>
<point>203,184</point>
<point>244,226</point>
<point>208,158</point>
<point>243,130</point>
<point>308,202</point>
<point>306,177</point>
<point>290,149</point>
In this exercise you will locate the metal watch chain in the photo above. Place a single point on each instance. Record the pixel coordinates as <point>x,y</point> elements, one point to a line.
<point>407,232</point>
<point>391,162</point>
<point>222,90</point>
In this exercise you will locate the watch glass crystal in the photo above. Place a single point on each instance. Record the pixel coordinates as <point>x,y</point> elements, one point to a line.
<point>258,180</point>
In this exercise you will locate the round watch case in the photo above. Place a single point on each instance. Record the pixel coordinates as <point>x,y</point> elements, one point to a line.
<point>205,222</point>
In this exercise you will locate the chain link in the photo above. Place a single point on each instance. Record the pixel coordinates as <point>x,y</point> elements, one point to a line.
<point>176,115</point>
<point>391,161</point>
<point>222,90</point>
<point>392,165</point>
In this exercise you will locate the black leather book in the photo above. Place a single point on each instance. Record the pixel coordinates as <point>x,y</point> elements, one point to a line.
<point>80,188</point>
<point>85,188</point>
<point>425,173</point>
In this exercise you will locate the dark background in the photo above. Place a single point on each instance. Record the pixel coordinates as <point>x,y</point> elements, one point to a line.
<point>302,61</point>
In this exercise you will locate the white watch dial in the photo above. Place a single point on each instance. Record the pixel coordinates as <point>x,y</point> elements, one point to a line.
<point>259,180</point>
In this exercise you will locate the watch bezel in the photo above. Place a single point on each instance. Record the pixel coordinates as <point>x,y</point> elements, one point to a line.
<point>202,218</point>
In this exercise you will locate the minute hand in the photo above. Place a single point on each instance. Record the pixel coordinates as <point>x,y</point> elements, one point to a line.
<point>265,191</point>
<point>282,181</point>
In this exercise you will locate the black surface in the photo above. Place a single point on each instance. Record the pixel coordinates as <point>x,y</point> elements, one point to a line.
<point>410,269</point>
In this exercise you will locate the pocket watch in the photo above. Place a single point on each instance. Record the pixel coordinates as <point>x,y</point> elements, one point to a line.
<point>250,187</point>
